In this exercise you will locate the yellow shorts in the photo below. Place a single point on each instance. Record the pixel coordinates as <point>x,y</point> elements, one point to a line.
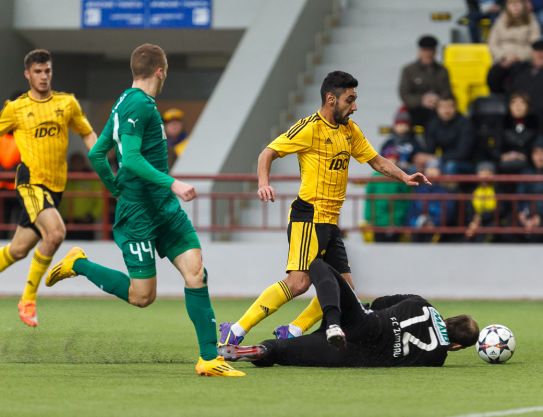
<point>308,240</point>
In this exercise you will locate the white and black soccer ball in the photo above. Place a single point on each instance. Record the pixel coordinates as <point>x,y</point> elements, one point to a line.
<point>496,344</point>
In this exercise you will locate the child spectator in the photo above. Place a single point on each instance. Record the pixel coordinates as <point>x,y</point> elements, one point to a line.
<point>430,213</point>
<point>404,142</point>
<point>519,134</point>
<point>386,212</point>
<point>512,34</point>
<point>483,204</point>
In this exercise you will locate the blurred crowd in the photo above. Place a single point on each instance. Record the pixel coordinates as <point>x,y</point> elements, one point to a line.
<point>500,134</point>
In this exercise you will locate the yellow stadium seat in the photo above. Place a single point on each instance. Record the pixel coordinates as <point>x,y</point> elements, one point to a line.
<point>468,66</point>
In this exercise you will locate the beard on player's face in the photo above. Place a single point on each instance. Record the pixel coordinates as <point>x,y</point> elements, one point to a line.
<point>341,116</point>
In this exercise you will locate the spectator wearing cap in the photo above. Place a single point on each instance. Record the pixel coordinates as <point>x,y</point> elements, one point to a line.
<point>522,77</point>
<point>386,212</point>
<point>512,34</point>
<point>530,213</point>
<point>423,81</point>
<point>175,132</point>
<point>404,142</point>
<point>449,139</point>
<point>483,204</point>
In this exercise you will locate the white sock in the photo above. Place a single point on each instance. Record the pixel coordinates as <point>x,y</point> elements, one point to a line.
<point>295,330</point>
<point>238,330</point>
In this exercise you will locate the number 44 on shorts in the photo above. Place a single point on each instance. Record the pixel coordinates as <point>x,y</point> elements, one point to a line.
<point>139,248</point>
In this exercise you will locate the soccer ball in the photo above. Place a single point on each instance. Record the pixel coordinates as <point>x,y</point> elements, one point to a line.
<point>496,344</point>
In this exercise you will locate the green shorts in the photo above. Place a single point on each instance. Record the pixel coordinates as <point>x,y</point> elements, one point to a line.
<point>141,229</point>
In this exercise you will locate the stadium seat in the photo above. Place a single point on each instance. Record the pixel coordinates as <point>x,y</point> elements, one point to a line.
<point>487,115</point>
<point>468,66</point>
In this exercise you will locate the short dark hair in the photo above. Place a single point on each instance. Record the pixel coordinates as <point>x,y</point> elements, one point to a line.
<point>37,56</point>
<point>463,330</point>
<point>145,59</point>
<point>336,82</point>
<point>427,42</point>
<point>447,97</point>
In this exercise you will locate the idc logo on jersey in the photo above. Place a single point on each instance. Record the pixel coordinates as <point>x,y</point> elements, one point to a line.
<point>340,161</point>
<point>48,129</point>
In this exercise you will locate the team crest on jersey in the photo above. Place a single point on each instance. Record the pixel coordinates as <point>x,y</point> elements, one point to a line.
<point>328,141</point>
<point>59,112</point>
<point>30,114</point>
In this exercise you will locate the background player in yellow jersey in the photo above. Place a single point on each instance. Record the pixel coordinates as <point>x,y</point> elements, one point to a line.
<point>40,120</point>
<point>324,143</point>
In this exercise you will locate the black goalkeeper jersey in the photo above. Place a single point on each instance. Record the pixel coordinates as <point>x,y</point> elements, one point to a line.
<point>401,330</point>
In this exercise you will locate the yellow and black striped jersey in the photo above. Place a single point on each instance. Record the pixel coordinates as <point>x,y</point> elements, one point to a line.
<point>40,128</point>
<point>324,151</point>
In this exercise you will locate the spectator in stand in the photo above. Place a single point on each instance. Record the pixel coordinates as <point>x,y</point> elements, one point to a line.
<point>83,210</point>
<point>449,139</point>
<point>531,212</point>
<point>479,10</point>
<point>519,134</point>
<point>404,141</point>
<point>512,34</point>
<point>174,126</point>
<point>525,77</point>
<point>423,81</point>
<point>483,204</point>
<point>430,213</point>
<point>386,212</point>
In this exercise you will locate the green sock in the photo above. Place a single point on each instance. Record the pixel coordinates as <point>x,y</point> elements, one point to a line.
<point>108,280</point>
<point>202,316</point>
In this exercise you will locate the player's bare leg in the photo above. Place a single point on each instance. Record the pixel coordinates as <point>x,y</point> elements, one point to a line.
<point>201,313</point>
<point>52,230</point>
<point>142,292</point>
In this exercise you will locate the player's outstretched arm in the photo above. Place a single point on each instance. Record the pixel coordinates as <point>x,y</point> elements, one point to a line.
<point>98,158</point>
<point>265,159</point>
<point>388,168</point>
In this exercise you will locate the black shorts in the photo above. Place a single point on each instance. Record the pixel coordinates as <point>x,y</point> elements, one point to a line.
<point>308,241</point>
<point>33,198</point>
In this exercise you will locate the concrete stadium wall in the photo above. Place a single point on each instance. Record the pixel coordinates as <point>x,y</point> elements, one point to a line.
<point>253,89</point>
<point>245,269</point>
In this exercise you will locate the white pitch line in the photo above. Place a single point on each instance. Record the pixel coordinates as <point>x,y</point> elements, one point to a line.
<point>513,411</point>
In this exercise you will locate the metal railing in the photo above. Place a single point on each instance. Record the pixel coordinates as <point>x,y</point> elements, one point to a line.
<point>242,212</point>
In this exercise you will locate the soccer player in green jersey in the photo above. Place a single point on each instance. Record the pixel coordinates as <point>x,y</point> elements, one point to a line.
<point>148,217</point>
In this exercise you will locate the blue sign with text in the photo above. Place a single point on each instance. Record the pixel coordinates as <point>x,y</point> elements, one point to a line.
<point>146,14</point>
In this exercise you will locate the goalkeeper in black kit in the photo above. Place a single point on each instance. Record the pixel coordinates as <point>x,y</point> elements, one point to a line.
<point>397,330</point>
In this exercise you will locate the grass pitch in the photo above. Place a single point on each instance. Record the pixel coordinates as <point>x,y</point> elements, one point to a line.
<point>100,357</point>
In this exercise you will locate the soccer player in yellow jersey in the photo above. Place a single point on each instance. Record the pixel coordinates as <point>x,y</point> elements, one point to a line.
<point>40,120</point>
<point>324,143</point>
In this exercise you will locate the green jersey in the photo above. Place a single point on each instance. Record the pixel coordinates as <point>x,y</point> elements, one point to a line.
<point>135,114</point>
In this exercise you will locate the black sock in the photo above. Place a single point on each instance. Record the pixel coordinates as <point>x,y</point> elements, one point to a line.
<point>332,315</point>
